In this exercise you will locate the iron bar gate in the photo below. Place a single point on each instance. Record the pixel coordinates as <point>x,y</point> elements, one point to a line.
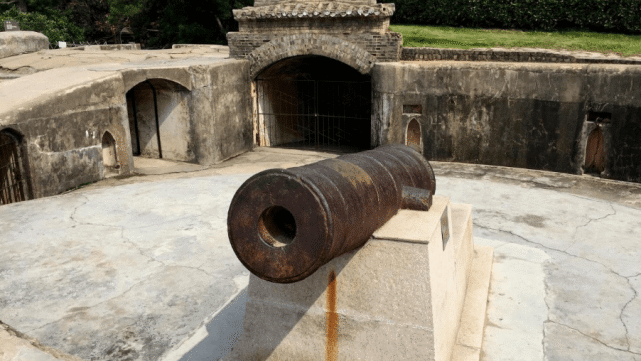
<point>13,182</point>
<point>314,113</point>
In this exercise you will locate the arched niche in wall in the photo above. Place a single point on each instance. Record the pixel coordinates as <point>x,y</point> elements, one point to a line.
<point>14,176</point>
<point>159,120</point>
<point>413,135</point>
<point>313,101</point>
<point>109,154</point>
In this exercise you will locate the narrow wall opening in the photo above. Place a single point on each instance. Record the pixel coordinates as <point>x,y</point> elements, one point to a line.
<point>313,102</point>
<point>109,157</point>
<point>14,180</point>
<point>159,120</point>
<point>413,136</point>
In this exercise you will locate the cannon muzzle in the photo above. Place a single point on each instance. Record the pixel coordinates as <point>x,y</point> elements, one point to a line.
<point>284,224</point>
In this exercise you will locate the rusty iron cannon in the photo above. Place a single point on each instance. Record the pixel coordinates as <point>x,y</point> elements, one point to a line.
<point>284,224</point>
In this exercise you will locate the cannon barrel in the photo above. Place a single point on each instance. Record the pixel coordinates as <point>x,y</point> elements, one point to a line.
<point>284,224</point>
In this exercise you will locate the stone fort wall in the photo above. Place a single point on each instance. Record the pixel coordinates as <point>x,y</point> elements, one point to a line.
<point>527,115</point>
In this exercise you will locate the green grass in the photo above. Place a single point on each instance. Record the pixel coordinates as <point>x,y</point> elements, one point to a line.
<point>464,38</point>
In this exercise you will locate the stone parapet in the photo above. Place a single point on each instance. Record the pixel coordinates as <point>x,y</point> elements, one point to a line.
<point>111,47</point>
<point>20,42</point>
<point>514,55</point>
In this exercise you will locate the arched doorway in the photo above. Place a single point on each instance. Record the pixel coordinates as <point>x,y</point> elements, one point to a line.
<point>14,185</point>
<point>109,157</point>
<point>159,120</point>
<point>413,136</point>
<point>313,102</point>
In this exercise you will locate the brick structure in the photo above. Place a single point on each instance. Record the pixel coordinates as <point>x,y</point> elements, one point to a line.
<point>353,32</point>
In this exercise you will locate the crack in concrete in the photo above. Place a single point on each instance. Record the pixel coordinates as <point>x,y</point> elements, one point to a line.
<point>73,213</point>
<point>164,223</point>
<point>75,209</point>
<point>166,266</point>
<point>144,254</point>
<point>546,287</point>
<point>586,259</point>
<point>529,241</point>
<point>550,248</point>
<point>590,220</point>
<point>95,305</point>
<point>627,337</point>
<point>593,338</point>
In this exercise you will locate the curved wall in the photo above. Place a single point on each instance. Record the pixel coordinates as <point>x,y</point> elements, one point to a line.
<point>526,115</point>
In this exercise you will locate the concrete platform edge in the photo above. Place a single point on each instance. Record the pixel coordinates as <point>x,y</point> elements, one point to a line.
<point>470,335</point>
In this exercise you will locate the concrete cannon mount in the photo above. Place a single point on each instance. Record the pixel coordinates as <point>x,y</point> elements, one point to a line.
<point>141,269</point>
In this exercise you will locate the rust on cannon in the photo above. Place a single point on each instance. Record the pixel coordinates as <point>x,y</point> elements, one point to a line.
<point>284,224</point>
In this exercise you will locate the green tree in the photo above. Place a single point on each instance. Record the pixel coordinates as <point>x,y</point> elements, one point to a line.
<point>55,25</point>
<point>166,22</point>
<point>156,24</point>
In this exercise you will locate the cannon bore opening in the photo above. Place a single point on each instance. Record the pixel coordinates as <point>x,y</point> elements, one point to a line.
<point>277,226</point>
<point>313,102</point>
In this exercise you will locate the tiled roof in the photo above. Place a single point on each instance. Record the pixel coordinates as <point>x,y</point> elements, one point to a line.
<point>314,10</point>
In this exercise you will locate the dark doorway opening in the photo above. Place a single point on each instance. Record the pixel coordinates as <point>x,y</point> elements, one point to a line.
<point>14,185</point>
<point>313,102</point>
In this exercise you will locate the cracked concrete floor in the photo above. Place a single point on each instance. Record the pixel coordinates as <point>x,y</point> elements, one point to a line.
<point>128,269</point>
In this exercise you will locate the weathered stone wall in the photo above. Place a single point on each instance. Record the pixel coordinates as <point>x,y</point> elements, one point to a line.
<point>62,130</point>
<point>510,114</point>
<point>63,114</point>
<point>222,112</point>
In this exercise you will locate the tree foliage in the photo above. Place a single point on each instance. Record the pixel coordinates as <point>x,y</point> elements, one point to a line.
<point>166,22</point>
<point>54,24</point>
<point>622,16</point>
<point>160,23</point>
<point>155,23</point>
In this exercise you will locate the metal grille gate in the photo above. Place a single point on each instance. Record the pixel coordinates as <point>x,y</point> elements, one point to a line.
<point>13,184</point>
<point>318,113</point>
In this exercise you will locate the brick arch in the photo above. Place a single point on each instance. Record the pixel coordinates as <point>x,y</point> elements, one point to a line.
<point>310,44</point>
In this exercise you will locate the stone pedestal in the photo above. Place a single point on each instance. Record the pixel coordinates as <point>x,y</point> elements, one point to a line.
<point>399,297</point>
